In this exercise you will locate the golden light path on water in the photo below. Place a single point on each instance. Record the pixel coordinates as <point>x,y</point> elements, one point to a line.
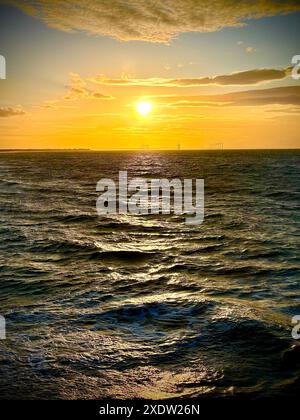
<point>148,306</point>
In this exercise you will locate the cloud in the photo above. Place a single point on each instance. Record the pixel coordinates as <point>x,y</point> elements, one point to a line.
<point>250,50</point>
<point>289,95</point>
<point>98,95</point>
<point>10,111</point>
<point>77,89</point>
<point>56,105</point>
<point>295,110</point>
<point>150,20</point>
<point>248,77</point>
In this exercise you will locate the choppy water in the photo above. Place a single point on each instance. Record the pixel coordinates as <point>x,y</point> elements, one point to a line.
<point>147,306</point>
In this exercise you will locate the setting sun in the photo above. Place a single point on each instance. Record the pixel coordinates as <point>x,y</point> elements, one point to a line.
<point>144,108</point>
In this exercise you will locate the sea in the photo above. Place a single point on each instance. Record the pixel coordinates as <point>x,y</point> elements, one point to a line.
<point>147,306</point>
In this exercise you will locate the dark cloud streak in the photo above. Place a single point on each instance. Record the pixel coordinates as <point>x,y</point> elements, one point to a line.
<point>7,111</point>
<point>289,95</point>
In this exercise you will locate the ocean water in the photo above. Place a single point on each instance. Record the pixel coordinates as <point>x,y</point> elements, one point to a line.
<point>146,306</point>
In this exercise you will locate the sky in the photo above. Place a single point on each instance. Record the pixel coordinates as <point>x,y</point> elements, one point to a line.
<point>216,74</point>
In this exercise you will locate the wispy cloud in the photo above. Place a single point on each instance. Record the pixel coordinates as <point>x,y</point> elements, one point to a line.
<point>289,95</point>
<point>250,50</point>
<point>56,105</point>
<point>11,111</point>
<point>249,77</point>
<point>150,20</point>
<point>77,89</point>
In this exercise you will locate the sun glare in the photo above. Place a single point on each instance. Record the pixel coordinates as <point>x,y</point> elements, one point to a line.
<point>144,108</point>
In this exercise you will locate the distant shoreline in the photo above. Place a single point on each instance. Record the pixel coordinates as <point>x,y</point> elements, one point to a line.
<point>45,150</point>
<point>140,150</point>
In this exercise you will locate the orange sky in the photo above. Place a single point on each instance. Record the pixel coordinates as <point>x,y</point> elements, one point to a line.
<point>222,84</point>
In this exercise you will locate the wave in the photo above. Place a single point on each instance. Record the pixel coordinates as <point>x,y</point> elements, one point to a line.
<point>123,255</point>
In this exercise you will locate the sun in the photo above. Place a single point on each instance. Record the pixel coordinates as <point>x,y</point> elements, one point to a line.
<point>144,108</point>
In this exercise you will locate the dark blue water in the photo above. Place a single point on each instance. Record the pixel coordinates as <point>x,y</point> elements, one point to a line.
<point>147,306</point>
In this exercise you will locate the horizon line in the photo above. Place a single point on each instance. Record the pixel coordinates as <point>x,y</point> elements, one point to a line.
<point>138,150</point>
